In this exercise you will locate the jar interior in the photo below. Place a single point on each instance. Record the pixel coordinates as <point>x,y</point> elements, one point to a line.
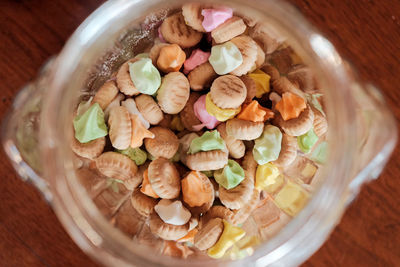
<point>102,207</point>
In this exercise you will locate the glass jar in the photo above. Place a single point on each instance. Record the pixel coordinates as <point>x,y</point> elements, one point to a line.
<point>35,135</point>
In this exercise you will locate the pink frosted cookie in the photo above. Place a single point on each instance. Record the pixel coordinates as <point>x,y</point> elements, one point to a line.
<point>215,17</point>
<point>197,58</point>
<point>201,113</point>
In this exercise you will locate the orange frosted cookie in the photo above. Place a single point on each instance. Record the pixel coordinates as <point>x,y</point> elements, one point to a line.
<point>290,106</point>
<point>255,112</point>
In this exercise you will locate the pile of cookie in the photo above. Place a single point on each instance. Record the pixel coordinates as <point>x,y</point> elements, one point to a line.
<point>214,135</point>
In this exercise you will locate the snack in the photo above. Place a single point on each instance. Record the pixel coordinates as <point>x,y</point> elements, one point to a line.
<point>143,204</point>
<point>215,17</point>
<point>201,113</point>
<point>197,58</point>
<point>229,29</point>
<point>202,76</point>
<point>171,58</point>
<point>149,109</point>
<point>225,58</point>
<point>244,129</point>
<point>197,146</point>
<point>175,31</point>
<point>106,94</point>
<point>173,93</point>
<point>90,125</point>
<point>197,191</point>
<point>124,81</point>
<point>164,144</point>
<point>193,17</point>
<point>228,91</point>
<point>167,231</point>
<point>172,212</point>
<point>164,178</point>
<point>248,49</point>
<point>209,234</point>
<point>120,125</point>
<point>235,147</point>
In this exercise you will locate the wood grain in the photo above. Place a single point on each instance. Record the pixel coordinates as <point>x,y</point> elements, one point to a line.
<point>366,32</point>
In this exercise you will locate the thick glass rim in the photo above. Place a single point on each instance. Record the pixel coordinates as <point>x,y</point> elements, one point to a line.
<point>85,220</point>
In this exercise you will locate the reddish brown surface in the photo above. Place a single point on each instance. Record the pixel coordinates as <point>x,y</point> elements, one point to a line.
<point>366,32</point>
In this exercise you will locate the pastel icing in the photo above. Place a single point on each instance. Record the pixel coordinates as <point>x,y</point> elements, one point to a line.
<point>145,76</point>
<point>320,153</point>
<point>136,154</point>
<point>230,176</point>
<point>290,106</point>
<point>307,141</point>
<point>219,113</point>
<point>225,58</point>
<point>90,125</point>
<point>139,132</point>
<point>255,112</point>
<point>195,190</point>
<point>146,186</point>
<point>207,120</point>
<point>261,80</point>
<point>215,17</point>
<point>228,238</point>
<point>172,212</point>
<point>210,140</point>
<point>268,146</point>
<point>291,198</point>
<point>171,58</point>
<point>189,237</point>
<point>130,104</point>
<point>266,175</point>
<point>197,58</point>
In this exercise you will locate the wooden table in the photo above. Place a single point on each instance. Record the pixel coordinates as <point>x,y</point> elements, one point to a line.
<point>366,32</point>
